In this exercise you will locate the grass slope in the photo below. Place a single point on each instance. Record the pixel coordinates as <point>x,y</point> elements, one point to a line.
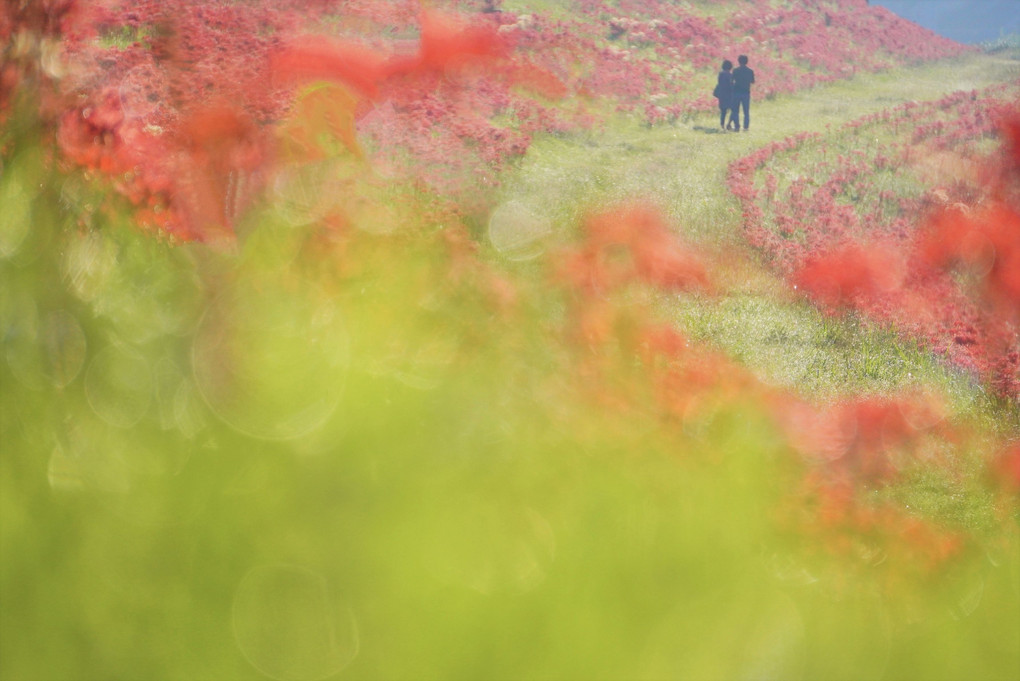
<point>683,167</point>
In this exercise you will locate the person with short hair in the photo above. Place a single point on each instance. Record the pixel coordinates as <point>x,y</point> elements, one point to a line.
<point>743,78</point>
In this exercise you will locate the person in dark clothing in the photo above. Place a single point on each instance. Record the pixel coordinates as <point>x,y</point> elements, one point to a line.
<point>743,77</point>
<point>724,93</point>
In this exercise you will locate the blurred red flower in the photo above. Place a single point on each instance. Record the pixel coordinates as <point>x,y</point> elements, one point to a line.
<point>851,274</point>
<point>986,244</point>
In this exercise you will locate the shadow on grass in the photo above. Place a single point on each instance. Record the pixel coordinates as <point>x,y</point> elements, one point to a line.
<point>711,131</point>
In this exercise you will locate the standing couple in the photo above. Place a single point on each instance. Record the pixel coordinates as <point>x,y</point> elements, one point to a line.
<point>733,92</point>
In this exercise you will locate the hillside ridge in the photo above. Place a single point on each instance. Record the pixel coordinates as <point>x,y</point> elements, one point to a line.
<point>137,72</point>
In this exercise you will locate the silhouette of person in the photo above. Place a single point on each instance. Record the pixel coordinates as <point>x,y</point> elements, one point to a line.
<point>724,93</point>
<point>743,77</point>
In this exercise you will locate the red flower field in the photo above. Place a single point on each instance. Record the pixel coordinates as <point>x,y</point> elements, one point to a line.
<point>939,264</point>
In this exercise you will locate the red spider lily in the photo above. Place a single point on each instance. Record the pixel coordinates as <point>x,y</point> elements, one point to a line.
<point>87,144</point>
<point>444,45</point>
<point>579,270</point>
<point>661,340</point>
<point>1011,132</point>
<point>221,135</point>
<point>314,58</point>
<point>423,126</point>
<point>464,269</point>
<point>867,440</point>
<point>822,436</point>
<point>447,44</point>
<point>986,243</point>
<point>838,520</point>
<point>623,246</point>
<point>634,242</point>
<point>1005,468</point>
<point>536,79</point>
<point>594,324</point>
<point>219,144</point>
<point>851,274</point>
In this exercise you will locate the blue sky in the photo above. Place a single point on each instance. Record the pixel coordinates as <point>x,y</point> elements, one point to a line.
<point>969,21</point>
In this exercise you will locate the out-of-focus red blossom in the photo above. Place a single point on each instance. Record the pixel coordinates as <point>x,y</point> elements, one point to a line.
<point>661,340</point>
<point>221,136</point>
<point>465,269</point>
<point>536,79</point>
<point>621,246</point>
<point>986,243</point>
<point>850,274</point>
<point>106,112</point>
<point>867,440</point>
<point>41,17</point>
<point>202,158</point>
<point>501,292</point>
<point>445,44</point>
<point>1011,133</point>
<point>89,136</point>
<point>694,381</point>
<point>629,243</point>
<point>1005,468</point>
<point>219,144</point>
<point>836,519</point>
<point>593,324</point>
<point>316,58</point>
<point>191,173</point>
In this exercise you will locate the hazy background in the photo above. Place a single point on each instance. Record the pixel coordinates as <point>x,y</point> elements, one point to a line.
<point>968,21</point>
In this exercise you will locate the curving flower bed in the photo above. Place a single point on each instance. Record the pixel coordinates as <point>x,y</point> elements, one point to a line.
<point>907,216</point>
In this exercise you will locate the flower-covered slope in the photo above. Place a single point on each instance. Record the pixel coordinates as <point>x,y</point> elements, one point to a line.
<point>901,217</point>
<point>446,97</point>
